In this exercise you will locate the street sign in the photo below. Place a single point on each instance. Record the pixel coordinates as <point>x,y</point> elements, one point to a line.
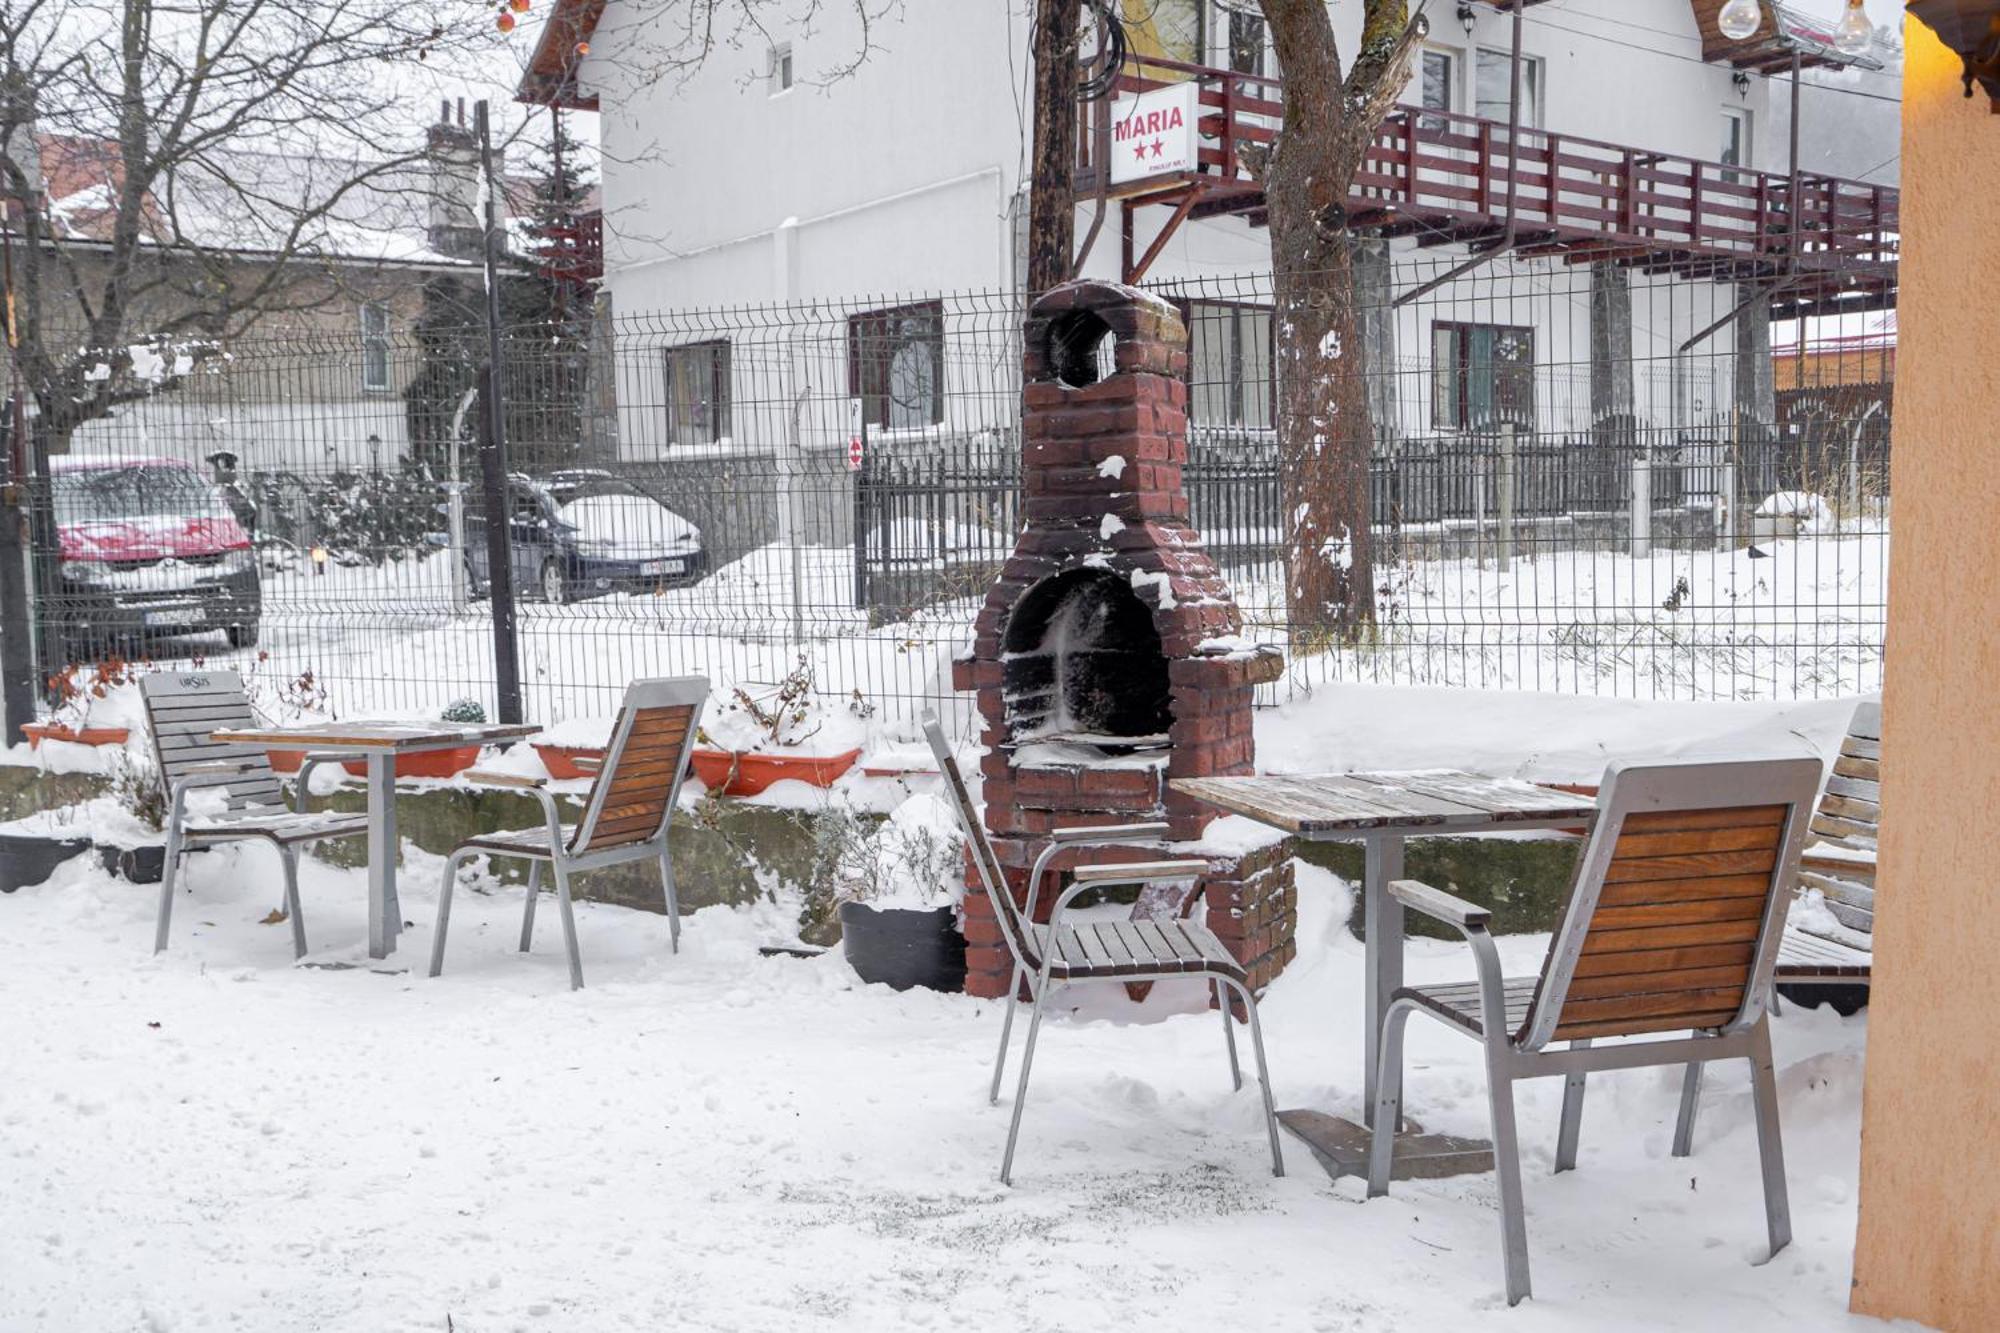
<point>1153,133</point>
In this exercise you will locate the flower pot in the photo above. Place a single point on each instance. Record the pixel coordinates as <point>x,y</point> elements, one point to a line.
<point>424,763</point>
<point>37,732</point>
<point>30,858</point>
<point>902,947</point>
<point>735,773</point>
<point>139,865</point>
<point>560,760</point>
<point>286,761</point>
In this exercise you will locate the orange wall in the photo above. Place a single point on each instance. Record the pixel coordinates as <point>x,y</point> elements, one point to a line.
<point>1929,1243</point>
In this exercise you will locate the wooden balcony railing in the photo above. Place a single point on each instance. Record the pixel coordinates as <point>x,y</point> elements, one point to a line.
<point>1447,175</point>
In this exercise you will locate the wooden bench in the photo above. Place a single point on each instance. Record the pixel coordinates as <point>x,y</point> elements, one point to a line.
<point>1828,940</point>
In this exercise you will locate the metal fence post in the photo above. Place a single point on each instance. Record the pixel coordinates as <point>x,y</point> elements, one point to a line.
<point>1725,507</point>
<point>1507,462</point>
<point>1642,506</point>
<point>493,461</point>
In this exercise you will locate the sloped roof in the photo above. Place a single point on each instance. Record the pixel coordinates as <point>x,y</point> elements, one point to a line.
<point>550,79</point>
<point>1783,32</point>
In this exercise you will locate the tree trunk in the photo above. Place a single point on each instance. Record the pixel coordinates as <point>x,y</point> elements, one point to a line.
<point>1051,189</point>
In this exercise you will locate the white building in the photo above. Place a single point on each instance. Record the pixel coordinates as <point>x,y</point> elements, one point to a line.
<point>874,181</point>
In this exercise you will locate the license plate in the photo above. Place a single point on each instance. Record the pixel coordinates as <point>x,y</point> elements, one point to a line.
<point>662,566</point>
<point>175,615</point>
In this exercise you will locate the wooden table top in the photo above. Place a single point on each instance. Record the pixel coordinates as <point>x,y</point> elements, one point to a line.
<point>1352,804</point>
<point>399,736</point>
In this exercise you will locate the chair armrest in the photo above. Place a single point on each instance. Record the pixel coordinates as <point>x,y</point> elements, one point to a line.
<point>1439,905</point>
<point>218,768</point>
<point>1111,833</point>
<point>1137,872</point>
<point>489,778</point>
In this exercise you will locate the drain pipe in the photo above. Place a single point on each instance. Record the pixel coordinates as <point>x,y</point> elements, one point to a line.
<point>1510,230</point>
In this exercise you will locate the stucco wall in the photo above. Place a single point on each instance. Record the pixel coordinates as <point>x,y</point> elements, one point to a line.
<point>1929,1243</point>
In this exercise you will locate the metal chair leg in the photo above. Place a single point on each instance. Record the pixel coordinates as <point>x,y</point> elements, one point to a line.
<point>165,915</point>
<point>1770,1139</point>
<point>569,926</point>
<point>1572,1114</point>
<point>673,901</point>
<point>1006,1030</point>
<point>1263,1074</point>
<point>290,857</point>
<point>1690,1103</point>
<point>1388,1100</point>
<point>1021,1091</point>
<point>444,911</point>
<point>1507,1166</point>
<point>1229,1036</point>
<point>528,912</point>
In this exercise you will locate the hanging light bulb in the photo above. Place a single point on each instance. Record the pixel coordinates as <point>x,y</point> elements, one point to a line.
<point>1856,34</point>
<point>1740,19</point>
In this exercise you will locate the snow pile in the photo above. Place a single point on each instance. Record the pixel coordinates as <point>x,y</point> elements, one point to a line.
<point>1811,513</point>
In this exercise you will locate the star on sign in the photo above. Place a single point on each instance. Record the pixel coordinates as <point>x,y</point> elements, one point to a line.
<point>1157,146</point>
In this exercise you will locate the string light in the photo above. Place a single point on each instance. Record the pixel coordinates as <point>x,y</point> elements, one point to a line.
<point>1856,34</point>
<point>1740,19</point>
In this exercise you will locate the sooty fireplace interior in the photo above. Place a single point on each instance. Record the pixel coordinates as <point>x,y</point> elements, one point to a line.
<point>1108,656</point>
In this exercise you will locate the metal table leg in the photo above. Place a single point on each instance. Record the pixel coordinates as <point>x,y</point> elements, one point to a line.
<point>385,911</point>
<point>1382,921</point>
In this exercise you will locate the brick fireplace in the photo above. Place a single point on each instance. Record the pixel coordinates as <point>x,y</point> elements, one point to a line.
<point>1107,658</point>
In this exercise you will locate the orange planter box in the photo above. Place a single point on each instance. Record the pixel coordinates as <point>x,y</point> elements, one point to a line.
<point>730,773</point>
<point>560,760</point>
<point>424,764</point>
<point>37,732</point>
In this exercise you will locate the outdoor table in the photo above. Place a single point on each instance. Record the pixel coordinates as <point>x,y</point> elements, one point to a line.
<point>379,742</point>
<point>1380,810</point>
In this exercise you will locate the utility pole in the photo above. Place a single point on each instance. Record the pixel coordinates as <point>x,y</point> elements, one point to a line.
<point>493,452</point>
<point>1052,163</point>
<point>17,660</point>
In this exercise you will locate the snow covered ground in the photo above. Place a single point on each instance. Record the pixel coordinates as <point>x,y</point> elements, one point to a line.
<point>216,1138</point>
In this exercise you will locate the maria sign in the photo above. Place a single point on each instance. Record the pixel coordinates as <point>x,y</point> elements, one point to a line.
<point>1153,133</point>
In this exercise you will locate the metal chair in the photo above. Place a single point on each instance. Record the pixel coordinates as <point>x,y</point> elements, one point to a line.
<point>1106,952</point>
<point>182,709</point>
<point>625,818</point>
<point>1672,925</point>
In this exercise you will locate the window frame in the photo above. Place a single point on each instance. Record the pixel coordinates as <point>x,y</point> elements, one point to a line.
<point>719,397</point>
<point>869,366</point>
<point>374,347</point>
<point>1460,419</point>
<point>1437,119</point>
<point>1746,143</point>
<point>1237,383</point>
<point>780,71</point>
<point>1533,80</point>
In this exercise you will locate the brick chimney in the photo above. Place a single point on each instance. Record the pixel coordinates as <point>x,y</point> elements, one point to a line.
<point>1107,657</point>
<point>456,226</point>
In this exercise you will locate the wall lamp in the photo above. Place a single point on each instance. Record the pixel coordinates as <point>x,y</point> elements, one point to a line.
<point>1467,17</point>
<point>1971,28</point>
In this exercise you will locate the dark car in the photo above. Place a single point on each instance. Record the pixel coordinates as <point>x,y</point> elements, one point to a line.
<point>149,547</point>
<point>603,535</point>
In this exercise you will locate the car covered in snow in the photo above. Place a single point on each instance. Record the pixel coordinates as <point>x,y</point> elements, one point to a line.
<point>149,547</point>
<point>584,533</point>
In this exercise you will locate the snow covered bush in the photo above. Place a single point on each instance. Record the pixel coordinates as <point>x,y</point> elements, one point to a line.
<point>913,860</point>
<point>465,711</point>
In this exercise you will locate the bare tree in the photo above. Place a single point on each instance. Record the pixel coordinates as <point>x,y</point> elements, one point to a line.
<point>171,173</point>
<point>1323,419</point>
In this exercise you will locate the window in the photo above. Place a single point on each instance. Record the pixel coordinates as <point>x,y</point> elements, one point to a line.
<point>1245,33</point>
<point>1735,141</point>
<point>1493,79</point>
<point>1437,74</point>
<point>375,347</point>
<point>1482,375</point>
<point>779,74</point>
<point>698,394</point>
<point>895,365</point>
<point>1229,365</point>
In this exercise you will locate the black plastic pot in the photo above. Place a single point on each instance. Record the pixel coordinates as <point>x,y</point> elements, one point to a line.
<point>902,947</point>
<point>140,865</point>
<point>30,858</point>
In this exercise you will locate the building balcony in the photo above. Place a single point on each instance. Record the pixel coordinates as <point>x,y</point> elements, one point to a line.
<point>1444,178</point>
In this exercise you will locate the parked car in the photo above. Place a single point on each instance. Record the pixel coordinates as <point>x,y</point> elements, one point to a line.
<point>148,547</point>
<point>584,534</point>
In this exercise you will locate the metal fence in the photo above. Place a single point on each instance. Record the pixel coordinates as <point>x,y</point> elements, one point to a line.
<point>832,484</point>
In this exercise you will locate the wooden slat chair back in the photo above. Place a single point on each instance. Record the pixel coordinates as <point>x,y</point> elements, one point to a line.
<point>633,795</point>
<point>1108,952</point>
<point>1678,902</point>
<point>1840,855</point>
<point>1673,926</point>
<point>182,708</point>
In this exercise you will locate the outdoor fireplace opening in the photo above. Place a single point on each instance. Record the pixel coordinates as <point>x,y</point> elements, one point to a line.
<point>1081,662</point>
<point>1081,348</point>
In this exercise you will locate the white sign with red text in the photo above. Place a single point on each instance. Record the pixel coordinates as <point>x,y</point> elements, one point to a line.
<point>1153,133</point>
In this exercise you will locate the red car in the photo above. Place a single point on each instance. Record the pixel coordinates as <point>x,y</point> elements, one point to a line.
<point>148,547</point>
